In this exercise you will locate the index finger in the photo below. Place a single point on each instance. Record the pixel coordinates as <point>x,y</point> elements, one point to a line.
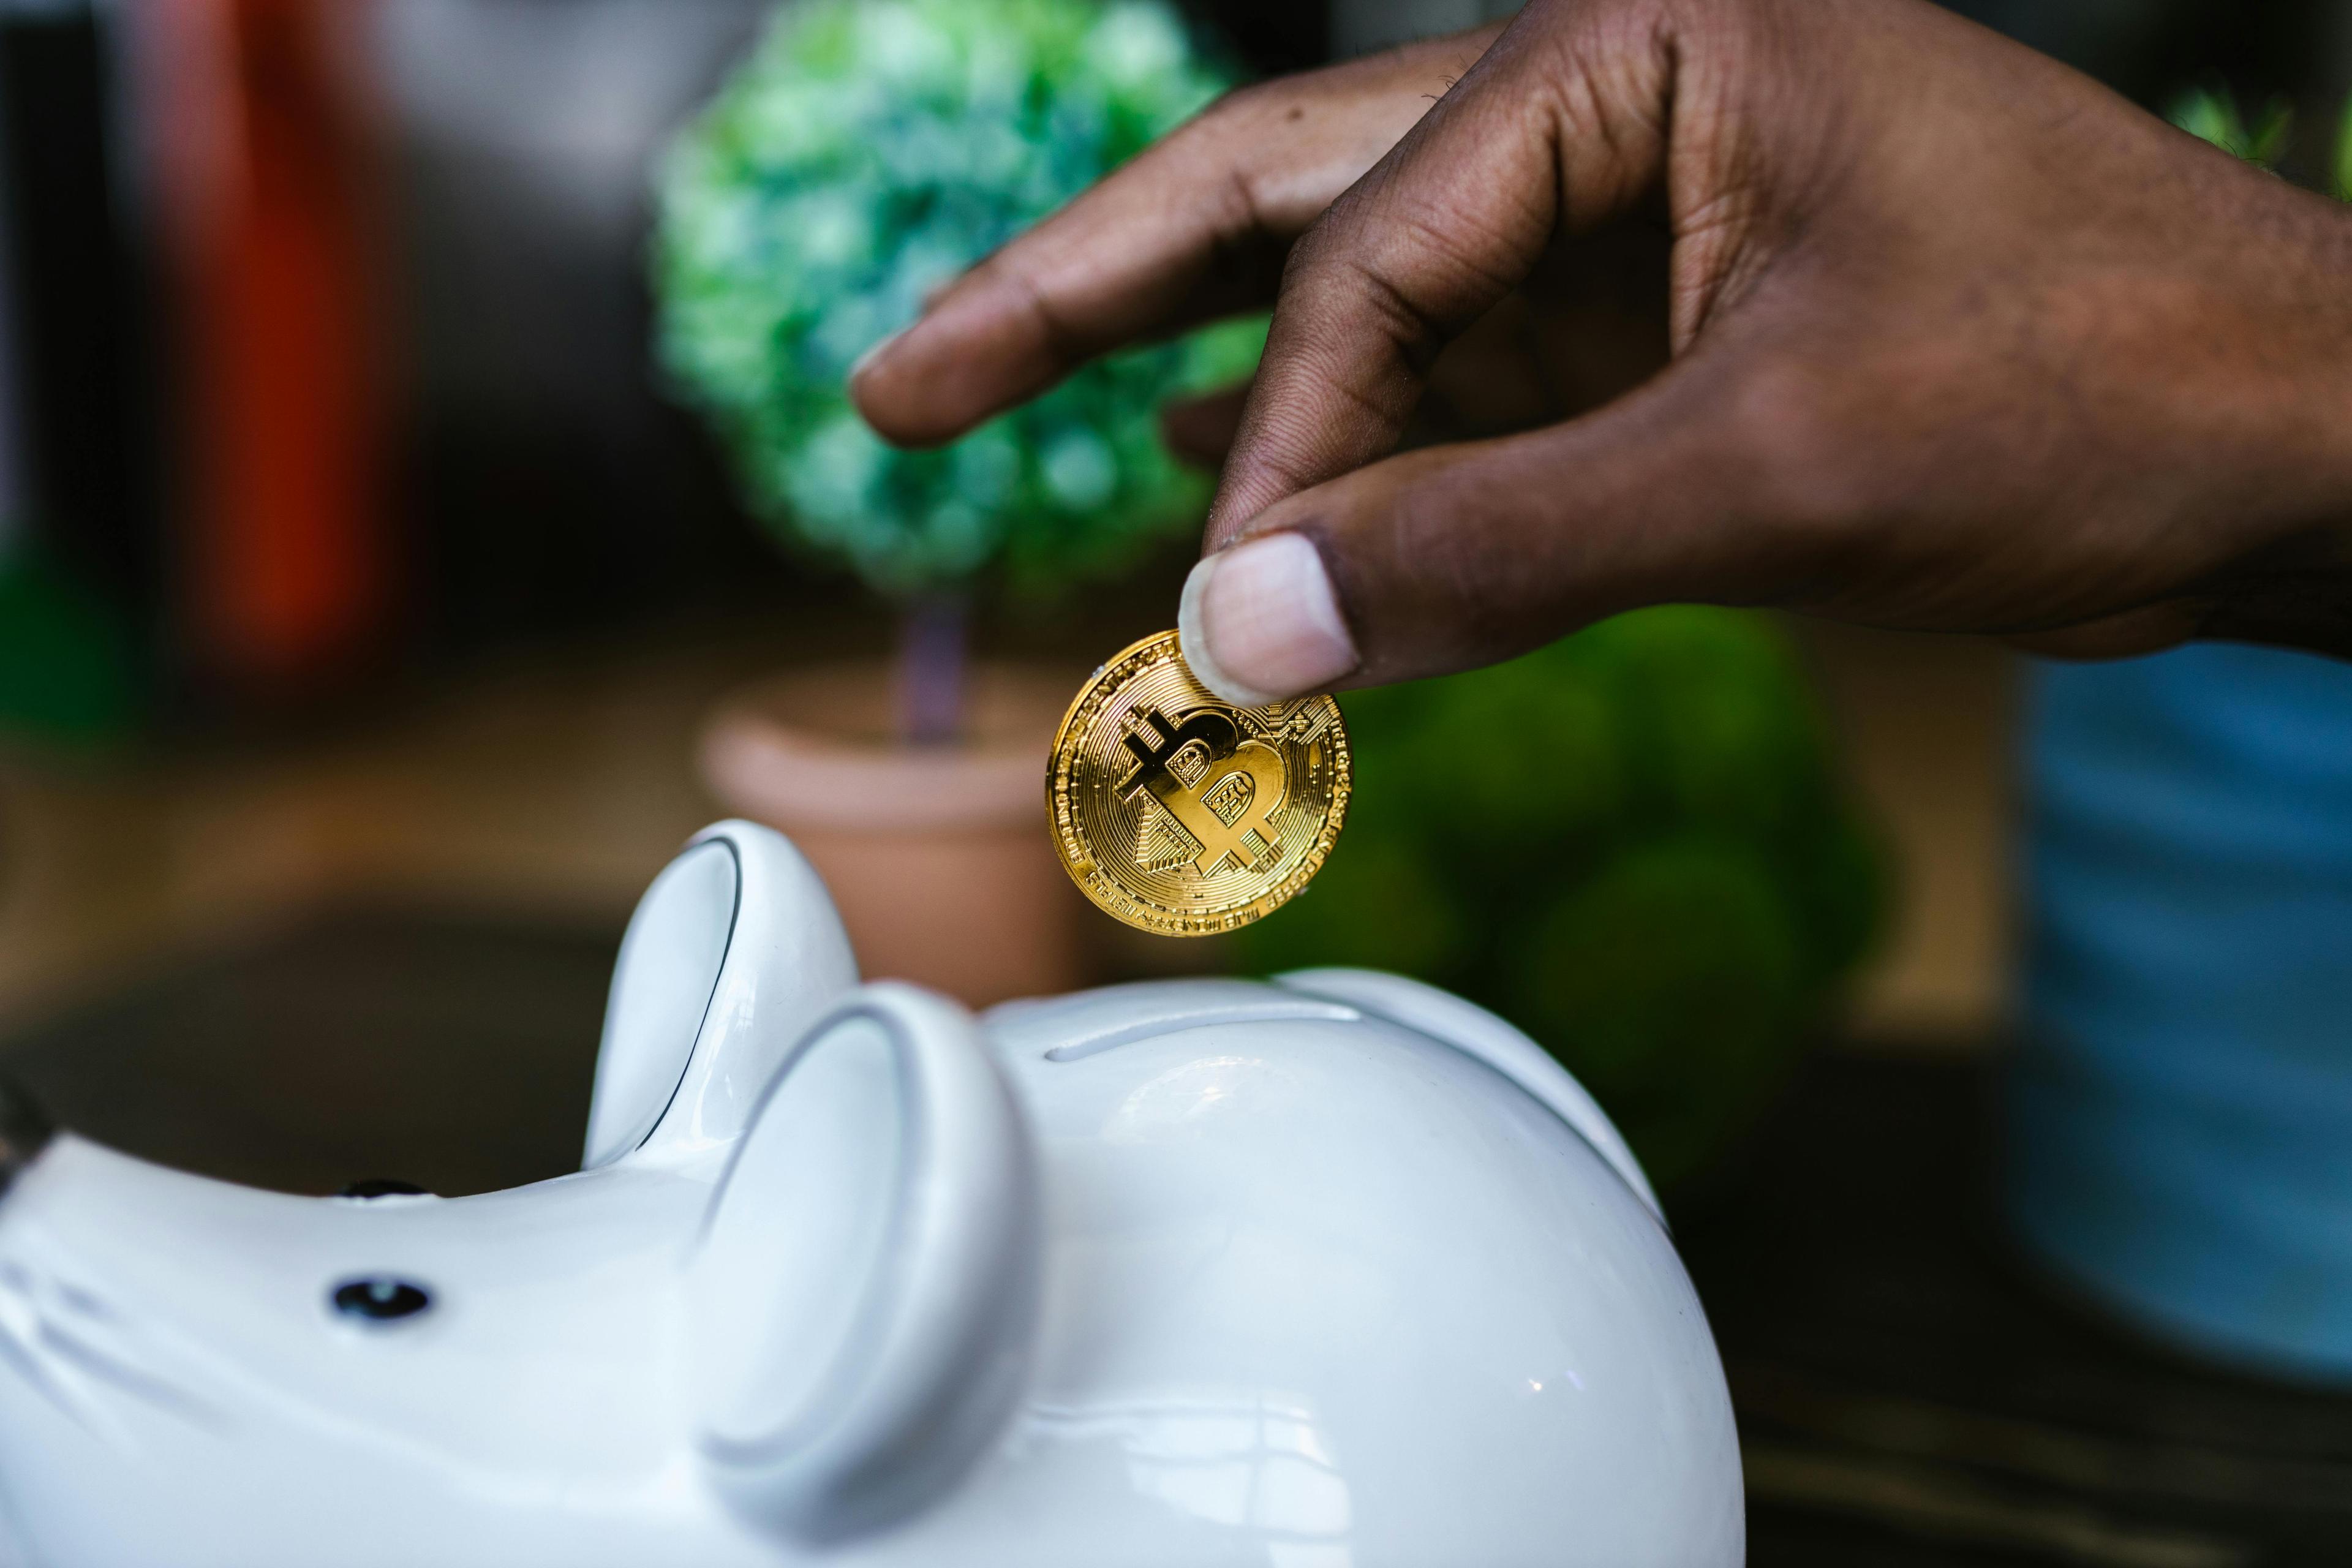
<point>1195,227</point>
<point>1558,127</point>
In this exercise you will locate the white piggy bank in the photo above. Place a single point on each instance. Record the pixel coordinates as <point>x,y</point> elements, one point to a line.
<point>1334,1271</point>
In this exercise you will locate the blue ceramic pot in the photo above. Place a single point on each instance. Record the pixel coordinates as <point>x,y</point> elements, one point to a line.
<point>2181,1103</point>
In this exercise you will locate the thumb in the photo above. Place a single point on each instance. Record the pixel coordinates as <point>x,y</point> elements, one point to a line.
<point>1453,557</point>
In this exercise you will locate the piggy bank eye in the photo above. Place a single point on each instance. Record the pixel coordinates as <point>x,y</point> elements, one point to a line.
<point>379,1298</point>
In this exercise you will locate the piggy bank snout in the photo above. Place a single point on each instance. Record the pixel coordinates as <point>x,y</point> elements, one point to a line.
<point>863,1298</point>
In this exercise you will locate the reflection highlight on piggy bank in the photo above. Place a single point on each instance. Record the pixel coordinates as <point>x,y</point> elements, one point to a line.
<point>1337,1270</point>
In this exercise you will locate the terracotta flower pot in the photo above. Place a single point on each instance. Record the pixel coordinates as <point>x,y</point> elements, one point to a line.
<point>938,856</point>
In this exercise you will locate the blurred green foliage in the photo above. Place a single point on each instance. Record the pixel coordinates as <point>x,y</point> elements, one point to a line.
<point>2212,114</point>
<point>67,670</point>
<point>867,153</point>
<point>1632,844</point>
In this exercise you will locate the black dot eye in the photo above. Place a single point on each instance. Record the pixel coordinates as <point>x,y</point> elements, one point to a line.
<point>380,1299</point>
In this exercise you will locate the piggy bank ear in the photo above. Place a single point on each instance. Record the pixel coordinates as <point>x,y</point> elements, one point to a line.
<point>864,1294</point>
<point>731,954</point>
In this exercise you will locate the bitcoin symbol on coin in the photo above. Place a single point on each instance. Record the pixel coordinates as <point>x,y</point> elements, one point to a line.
<point>1194,806</point>
<point>1183,814</point>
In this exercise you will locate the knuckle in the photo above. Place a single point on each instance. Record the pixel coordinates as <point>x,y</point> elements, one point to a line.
<point>1235,122</point>
<point>1405,272</point>
<point>1722,18</point>
<point>1221,157</point>
<point>1212,136</point>
<point>1332,290</point>
<point>1013,280</point>
<point>1319,259</point>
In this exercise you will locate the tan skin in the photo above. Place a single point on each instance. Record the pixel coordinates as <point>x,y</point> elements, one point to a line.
<point>1958,340</point>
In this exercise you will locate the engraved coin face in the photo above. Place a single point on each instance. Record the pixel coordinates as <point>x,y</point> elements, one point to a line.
<point>1180,813</point>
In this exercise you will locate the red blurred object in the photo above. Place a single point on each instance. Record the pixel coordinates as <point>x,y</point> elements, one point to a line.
<point>263,138</point>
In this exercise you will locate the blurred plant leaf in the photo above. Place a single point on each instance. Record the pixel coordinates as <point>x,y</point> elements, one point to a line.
<point>2340,170</point>
<point>2211,114</point>
<point>867,153</point>
<point>1633,844</point>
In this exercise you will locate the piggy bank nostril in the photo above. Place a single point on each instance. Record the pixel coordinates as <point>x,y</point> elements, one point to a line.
<point>379,1298</point>
<point>25,1132</point>
<point>381,1188</point>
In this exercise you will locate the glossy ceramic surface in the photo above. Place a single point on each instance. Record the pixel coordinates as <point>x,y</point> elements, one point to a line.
<point>1334,1271</point>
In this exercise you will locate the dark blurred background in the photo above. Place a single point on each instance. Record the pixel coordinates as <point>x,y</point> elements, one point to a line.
<point>361,596</point>
<point>327,413</point>
<point>325,346</point>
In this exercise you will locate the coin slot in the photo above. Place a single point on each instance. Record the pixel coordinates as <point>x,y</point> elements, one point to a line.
<point>1268,1012</point>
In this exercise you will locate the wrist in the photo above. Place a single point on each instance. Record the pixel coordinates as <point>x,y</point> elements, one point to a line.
<point>2287,502</point>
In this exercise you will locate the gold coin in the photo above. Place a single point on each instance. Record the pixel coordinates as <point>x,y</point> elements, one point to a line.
<point>1176,810</point>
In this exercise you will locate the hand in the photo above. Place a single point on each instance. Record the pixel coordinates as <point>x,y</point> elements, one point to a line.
<point>1960,341</point>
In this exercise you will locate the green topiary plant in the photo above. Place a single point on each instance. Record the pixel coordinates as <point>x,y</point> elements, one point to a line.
<point>867,151</point>
<point>1631,842</point>
<point>2212,114</point>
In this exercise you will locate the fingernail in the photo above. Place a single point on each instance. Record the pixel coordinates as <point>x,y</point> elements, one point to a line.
<point>859,366</point>
<point>1259,623</point>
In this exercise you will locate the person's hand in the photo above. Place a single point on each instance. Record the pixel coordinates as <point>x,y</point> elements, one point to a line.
<point>1960,342</point>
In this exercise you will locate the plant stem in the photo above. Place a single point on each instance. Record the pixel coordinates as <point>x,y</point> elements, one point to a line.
<point>932,634</point>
